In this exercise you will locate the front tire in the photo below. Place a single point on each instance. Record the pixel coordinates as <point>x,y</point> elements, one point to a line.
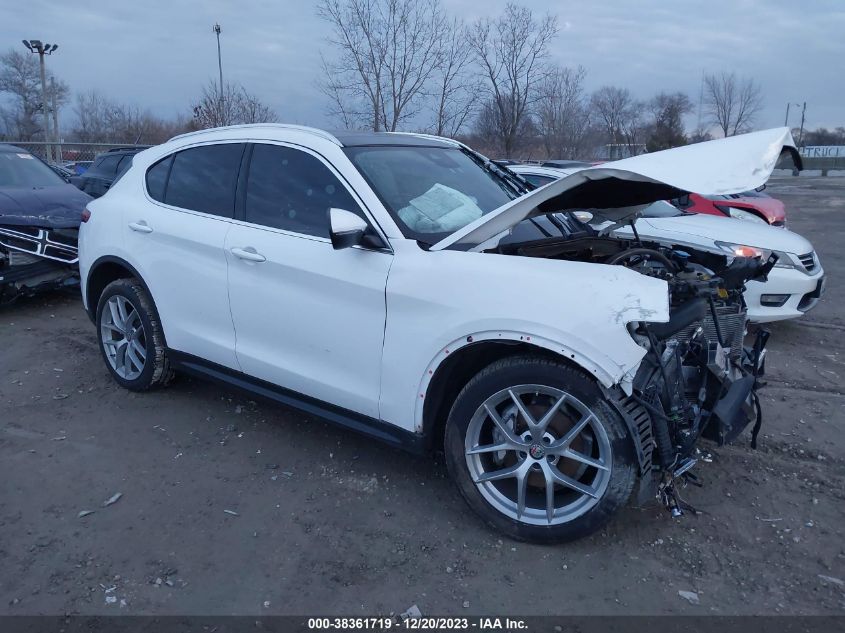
<point>131,338</point>
<point>537,452</point>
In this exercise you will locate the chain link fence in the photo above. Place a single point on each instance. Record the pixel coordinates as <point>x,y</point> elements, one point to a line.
<point>66,153</point>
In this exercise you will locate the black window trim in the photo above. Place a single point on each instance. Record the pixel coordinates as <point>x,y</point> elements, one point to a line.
<point>171,158</point>
<point>240,196</point>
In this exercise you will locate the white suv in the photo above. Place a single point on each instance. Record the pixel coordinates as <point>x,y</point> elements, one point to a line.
<point>380,281</point>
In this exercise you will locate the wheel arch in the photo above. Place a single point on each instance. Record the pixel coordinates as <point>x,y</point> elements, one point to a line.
<point>456,364</point>
<point>102,272</point>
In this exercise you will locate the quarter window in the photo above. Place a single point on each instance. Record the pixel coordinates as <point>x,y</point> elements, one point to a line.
<point>292,190</point>
<point>203,179</point>
<point>157,178</point>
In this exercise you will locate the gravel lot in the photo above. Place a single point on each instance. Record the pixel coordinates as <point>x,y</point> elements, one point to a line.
<point>329,522</point>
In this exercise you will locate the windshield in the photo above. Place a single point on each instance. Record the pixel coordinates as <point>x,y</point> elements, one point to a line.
<point>20,169</point>
<point>430,191</point>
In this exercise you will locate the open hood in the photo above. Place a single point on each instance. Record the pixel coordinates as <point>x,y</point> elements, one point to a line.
<point>729,165</point>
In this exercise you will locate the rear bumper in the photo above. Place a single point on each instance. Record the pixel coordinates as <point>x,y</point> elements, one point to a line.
<point>803,292</point>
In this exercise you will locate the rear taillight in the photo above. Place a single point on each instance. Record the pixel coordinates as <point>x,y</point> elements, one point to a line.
<point>86,215</point>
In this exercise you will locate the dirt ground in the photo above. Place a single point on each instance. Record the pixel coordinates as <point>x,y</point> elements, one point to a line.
<point>329,522</point>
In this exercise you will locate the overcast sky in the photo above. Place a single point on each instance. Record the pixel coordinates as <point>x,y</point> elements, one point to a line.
<point>157,54</point>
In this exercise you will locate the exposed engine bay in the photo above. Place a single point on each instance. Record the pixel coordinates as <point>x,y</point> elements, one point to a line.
<point>697,379</point>
<point>35,258</point>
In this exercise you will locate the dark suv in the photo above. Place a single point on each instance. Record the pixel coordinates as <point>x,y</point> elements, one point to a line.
<point>105,169</point>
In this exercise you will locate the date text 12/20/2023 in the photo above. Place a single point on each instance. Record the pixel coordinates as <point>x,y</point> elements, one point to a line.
<point>417,623</point>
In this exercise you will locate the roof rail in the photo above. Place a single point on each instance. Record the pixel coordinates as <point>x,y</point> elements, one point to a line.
<point>443,139</point>
<point>246,126</point>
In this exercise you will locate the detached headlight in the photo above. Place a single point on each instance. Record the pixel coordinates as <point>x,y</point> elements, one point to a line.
<point>743,250</point>
<point>742,214</point>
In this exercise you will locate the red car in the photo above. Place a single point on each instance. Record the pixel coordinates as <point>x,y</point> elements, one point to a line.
<point>749,205</point>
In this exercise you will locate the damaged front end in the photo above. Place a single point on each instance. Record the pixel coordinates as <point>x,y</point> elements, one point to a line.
<point>698,379</point>
<point>33,259</point>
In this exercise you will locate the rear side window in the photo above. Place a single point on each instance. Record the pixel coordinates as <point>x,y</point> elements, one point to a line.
<point>203,179</point>
<point>157,178</point>
<point>292,190</point>
<point>109,164</point>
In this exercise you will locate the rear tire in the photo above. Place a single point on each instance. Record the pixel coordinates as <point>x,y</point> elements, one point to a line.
<point>131,338</point>
<point>503,462</point>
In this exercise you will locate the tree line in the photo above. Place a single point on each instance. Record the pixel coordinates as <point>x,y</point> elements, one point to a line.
<point>393,65</point>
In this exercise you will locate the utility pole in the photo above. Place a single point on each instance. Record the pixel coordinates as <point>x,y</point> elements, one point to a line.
<point>801,132</point>
<point>786,120</point>
<point>56,135</point>
<point>35,46</point>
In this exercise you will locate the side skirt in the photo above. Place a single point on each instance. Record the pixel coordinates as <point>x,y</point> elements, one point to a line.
<point>365,425</point>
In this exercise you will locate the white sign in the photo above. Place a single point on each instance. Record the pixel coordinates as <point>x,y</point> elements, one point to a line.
<point>823,151</point>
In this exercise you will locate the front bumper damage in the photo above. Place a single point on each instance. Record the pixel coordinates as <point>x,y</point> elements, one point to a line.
<point>699,383</point>
<point>34,259</point>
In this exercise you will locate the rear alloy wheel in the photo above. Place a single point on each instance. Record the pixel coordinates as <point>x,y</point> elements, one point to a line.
<point>537,452</point>
<point>131,340</point>
<point>123,337</point>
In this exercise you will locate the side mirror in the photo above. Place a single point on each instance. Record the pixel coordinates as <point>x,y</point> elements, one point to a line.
<point>682,201</point>
<point>346,229</point>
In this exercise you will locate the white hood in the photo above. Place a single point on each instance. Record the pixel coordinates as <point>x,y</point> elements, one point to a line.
<point>703,230</point>
<point>729,165</point>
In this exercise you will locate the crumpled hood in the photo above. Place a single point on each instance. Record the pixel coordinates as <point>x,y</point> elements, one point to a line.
<point>729,165</point>
<point>57,207</point>
<point>704,229</point>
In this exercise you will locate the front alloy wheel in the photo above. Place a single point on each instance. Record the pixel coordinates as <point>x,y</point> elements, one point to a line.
<point>537,452</point>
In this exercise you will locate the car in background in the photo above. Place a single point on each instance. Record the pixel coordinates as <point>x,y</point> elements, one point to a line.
<point>755,206</point>
<point>40,214</point>
<point>792,288</point>
<point>565,164</point>
<point>105,169</point>
<point>78,166</point>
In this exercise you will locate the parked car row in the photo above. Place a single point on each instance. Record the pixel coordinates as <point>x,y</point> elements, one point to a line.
<point>566,346</point>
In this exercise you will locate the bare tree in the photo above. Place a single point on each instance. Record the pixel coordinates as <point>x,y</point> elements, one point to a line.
<point>20,78</point>
<point>387,50</point>
<point>620,116</point>
<point>511,51</point>
<point>233,107</point>
<point>732,103</point>
<point>563,118</point>
<point>455,88</point>
<point>665,128</point>
<point>102,120</point>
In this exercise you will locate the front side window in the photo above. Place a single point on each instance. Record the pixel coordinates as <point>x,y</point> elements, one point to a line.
<point>292,190</point>
<point>203,179</point>
<point>430,191</point>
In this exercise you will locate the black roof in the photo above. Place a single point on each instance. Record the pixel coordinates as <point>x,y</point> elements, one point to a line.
<point>565,163</point>
<point>349,138</point>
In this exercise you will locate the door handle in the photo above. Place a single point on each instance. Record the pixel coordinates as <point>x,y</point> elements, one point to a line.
<point>141,227</point>
<point>249,254</point>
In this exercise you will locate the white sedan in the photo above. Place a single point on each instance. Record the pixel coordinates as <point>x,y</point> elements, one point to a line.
<point>792,288</point>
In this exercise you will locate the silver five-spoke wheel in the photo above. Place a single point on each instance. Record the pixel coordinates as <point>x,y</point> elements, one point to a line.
<point>538,454</point>
<point>123,337</point>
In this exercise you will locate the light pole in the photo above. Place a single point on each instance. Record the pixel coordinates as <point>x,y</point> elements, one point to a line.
<point>56,136</point>
<point>35,46</point>
<point>801,132</point>
<point>219,60</point>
